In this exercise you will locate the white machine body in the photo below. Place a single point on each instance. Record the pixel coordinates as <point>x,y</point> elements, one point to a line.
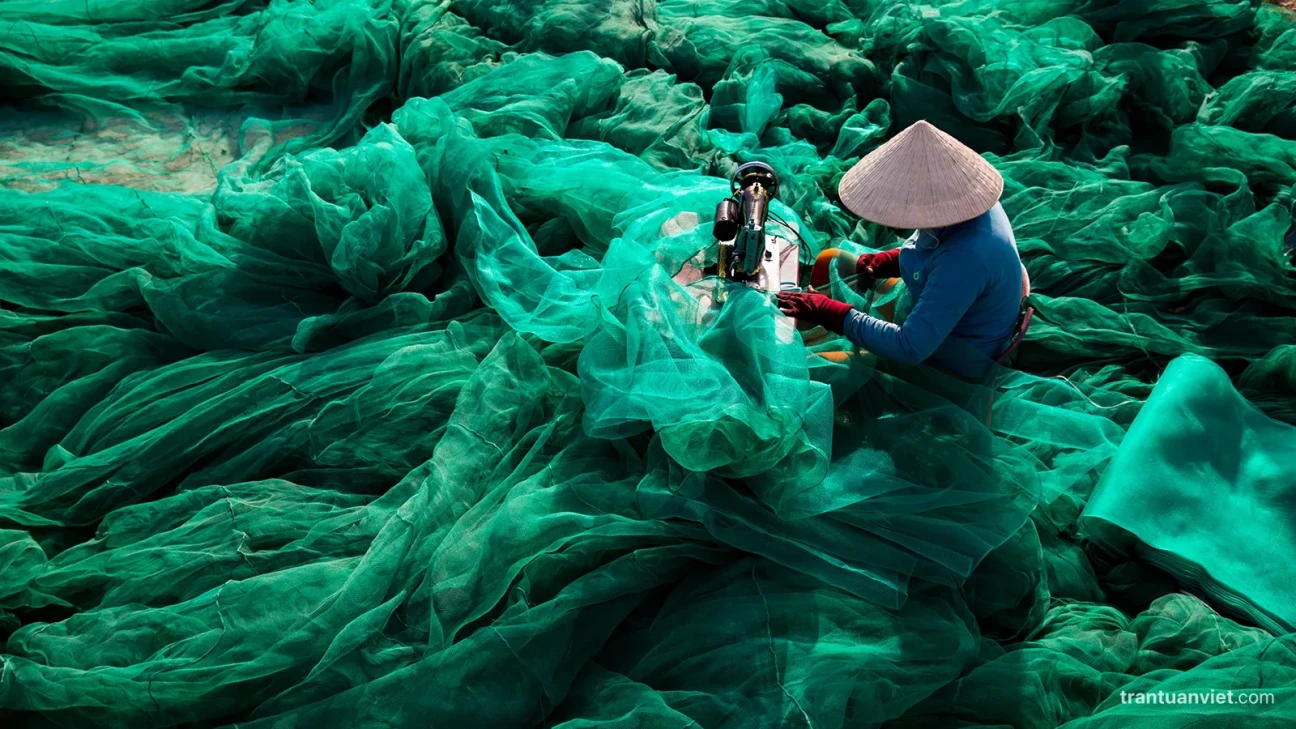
<point>781,266</point>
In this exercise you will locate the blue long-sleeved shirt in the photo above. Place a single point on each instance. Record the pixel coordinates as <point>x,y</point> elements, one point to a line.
<point>966,281</point>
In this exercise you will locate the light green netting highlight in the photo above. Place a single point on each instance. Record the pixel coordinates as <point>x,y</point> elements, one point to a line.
<point>1198,454</point>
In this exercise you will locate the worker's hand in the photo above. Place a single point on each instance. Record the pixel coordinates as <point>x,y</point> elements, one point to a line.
<point>814,308</point>
<point>872,266</point>
<point>865,274</point>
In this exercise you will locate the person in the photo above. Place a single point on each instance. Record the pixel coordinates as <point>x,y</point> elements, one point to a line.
<point>961,265</point>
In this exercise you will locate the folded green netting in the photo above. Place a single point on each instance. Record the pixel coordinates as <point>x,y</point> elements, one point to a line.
<point>321,63</point>
<point>345,380</point>
<point>174,151</point>
<point>1202,484</point>
<point>798,645</point>
<point>1074,669</point>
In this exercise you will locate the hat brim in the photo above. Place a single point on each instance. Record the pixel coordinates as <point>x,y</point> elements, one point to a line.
<point>922,178</point>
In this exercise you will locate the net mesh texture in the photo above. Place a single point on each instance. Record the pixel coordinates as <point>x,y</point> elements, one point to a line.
<point>346,379</point>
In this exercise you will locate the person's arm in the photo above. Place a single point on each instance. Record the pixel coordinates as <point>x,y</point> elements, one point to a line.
<point>952,287</point>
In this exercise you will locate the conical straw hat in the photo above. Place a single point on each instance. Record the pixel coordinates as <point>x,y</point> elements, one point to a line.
<point>923,178</point>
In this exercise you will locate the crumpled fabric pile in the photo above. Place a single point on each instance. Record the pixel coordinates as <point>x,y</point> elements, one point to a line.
<point>346,379</point>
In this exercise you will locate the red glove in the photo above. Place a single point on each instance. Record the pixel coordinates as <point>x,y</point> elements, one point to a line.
<point>872,266</point>
<point>814,308</point>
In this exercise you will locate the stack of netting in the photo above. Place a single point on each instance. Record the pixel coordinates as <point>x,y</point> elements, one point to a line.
<point>345,382</point>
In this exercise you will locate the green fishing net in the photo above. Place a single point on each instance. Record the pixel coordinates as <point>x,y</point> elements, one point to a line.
<point>1231,471</point>
<point>348,377</point>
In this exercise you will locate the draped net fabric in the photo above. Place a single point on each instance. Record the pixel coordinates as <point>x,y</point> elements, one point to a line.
<point>346,380</point>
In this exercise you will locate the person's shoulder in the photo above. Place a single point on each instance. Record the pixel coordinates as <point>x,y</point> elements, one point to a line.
<point>966,248</point>
<point>962,248</point>
<point>986,222</point>
<point>991,225</point>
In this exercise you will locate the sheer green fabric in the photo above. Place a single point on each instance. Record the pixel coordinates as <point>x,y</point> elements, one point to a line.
<point>1200,454</point>
<point>347,378</point>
